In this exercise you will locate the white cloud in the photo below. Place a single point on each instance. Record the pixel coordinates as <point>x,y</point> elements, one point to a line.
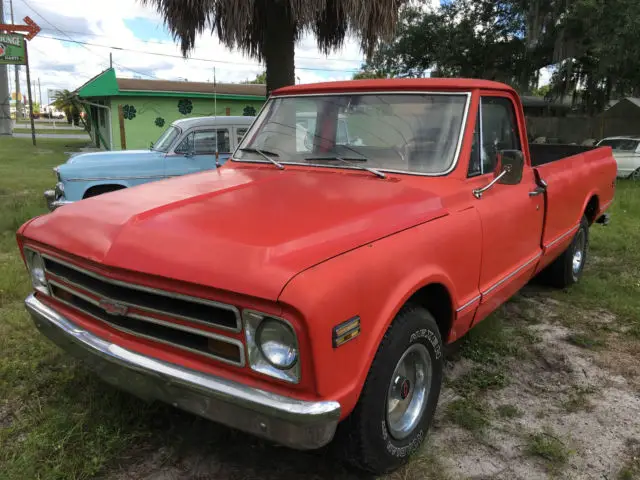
<point>60,64</point>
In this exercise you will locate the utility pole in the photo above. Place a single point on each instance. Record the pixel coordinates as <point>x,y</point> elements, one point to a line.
<point>40,93</point>
<point>16,69</point>
<point>5,110</point>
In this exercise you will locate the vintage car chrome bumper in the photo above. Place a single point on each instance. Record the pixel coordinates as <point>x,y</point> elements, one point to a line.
<point>55,199</point>
<point>291,422</point>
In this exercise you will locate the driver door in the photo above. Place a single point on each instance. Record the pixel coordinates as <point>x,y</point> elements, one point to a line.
<point>512,219</point>
<point>197,152</point>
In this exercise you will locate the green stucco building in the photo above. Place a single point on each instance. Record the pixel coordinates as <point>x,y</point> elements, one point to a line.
<point>130,113</point>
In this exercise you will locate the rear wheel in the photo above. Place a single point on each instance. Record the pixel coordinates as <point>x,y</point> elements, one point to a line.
<point>399,397</point>
<point>567,268</point>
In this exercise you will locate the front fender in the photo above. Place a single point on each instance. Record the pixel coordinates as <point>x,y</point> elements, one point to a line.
<point>374,282</point>
<point>74,190</point>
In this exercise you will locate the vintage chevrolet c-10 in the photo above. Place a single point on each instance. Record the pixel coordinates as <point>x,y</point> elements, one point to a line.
<point>306,289</point>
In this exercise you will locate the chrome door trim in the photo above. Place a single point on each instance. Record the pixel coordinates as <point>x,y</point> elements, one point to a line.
<point>512,274</point>
<point>469,303</point>
<point>98,179</point>
<point>562,237</point>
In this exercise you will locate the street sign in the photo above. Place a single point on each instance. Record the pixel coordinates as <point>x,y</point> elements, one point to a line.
<point>31,28</point>
<point>12,49</point>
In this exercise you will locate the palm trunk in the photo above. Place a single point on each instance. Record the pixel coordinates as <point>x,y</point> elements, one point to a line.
<point>279,45</point>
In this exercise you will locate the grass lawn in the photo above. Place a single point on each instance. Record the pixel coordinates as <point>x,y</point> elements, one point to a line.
<point>57,421</point>
<point>58,130</point>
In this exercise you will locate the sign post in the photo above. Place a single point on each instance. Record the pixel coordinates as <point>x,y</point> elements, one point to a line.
<point>13,51</point>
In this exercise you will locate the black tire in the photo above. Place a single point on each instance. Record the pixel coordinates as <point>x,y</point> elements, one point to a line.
<point>364,438</point>
<point>561,273</point>
<point>635,175</point>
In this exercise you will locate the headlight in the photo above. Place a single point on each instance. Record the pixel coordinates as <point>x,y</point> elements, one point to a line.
<point>272,346</point>
<point>277,343</point>
<point>35,264</point>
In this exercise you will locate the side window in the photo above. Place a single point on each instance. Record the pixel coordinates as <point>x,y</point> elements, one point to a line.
<point>240,133</point>
<point>204,142</point>
<point>224,140</point>
<point>185,144</point>
<point>499,130</point>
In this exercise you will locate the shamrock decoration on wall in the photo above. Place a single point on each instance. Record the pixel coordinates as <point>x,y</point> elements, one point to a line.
<point>185,106</point>
<point>249,111</point>
<point>129,112</point>
<point>159,122</point>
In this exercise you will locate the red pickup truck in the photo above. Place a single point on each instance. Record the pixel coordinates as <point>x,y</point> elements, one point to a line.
<point>306,289</point>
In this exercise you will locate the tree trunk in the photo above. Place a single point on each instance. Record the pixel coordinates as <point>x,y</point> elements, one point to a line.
<point>279,45</point>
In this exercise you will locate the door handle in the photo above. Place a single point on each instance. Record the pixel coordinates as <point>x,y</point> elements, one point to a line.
<point>541,188</point>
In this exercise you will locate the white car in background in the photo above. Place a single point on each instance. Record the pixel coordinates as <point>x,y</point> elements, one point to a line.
<point>626,151</point>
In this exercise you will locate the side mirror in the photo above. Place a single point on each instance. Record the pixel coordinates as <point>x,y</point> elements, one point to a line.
<point>508,171</point>
<point>510,167</point>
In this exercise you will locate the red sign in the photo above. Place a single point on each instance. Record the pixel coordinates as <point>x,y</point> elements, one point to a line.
<point>31,28</point>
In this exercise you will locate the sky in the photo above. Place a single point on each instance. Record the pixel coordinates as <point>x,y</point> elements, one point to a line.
<point>115,24</point>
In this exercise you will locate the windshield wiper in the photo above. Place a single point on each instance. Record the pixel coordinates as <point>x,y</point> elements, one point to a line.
<point>264,154</point>
<point>377,173</point>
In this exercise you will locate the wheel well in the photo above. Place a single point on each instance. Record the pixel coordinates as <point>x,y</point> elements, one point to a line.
<point>592,209</point>
<point>435,298</point>
<point>100,189</point>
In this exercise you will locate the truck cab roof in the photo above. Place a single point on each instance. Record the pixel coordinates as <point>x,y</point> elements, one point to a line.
<point>393,84</point>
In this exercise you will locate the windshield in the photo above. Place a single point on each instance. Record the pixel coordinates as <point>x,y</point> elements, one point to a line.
<point>166,139</point>
<point>417,133</point>
<point>623,144</point>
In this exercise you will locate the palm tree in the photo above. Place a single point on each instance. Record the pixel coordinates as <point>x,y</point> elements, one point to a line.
<point>268,29</point>
<point>69,103</point>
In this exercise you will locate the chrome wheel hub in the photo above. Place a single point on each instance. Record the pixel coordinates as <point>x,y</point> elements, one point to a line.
<point>408,391</point>
<point>578,252</point>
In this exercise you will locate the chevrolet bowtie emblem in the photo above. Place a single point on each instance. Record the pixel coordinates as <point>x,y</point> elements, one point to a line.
<point>113,308</point>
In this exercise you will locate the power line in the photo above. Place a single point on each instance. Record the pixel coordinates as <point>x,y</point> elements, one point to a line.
<point>168,44</point>
<point>69,39</point>
<point>158,54</point>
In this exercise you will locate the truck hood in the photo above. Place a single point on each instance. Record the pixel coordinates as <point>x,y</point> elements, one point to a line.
<point>247,229</point>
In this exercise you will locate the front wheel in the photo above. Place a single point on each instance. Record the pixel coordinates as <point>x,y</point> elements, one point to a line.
<point>399,397</point>
<point>635,175</point>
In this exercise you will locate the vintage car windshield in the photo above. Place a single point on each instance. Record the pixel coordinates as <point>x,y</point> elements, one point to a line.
<point>166,139</point>
<point>412,132</point>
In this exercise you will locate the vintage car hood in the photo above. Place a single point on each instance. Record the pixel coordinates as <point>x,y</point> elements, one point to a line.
<point>113,156</point>
<point>106,159</point>
<point>247,229</point>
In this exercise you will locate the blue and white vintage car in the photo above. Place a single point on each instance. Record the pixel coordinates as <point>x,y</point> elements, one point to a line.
<point>187,146</point>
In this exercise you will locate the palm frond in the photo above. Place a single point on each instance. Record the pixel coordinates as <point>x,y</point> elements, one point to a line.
<point>242,24</point>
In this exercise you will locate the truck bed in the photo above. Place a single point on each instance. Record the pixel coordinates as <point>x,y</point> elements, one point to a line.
<point>542,154</point>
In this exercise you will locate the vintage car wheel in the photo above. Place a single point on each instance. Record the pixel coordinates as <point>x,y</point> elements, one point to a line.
<point>635,175</point>
<point>567,268</point>
<point>399,397</point>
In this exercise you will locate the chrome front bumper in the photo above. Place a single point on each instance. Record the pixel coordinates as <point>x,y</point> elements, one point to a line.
<point>298,424</point>
<point>54,199</point>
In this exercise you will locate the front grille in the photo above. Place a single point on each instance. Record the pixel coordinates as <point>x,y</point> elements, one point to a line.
<point>141,309</point>
<point>209,313</point>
